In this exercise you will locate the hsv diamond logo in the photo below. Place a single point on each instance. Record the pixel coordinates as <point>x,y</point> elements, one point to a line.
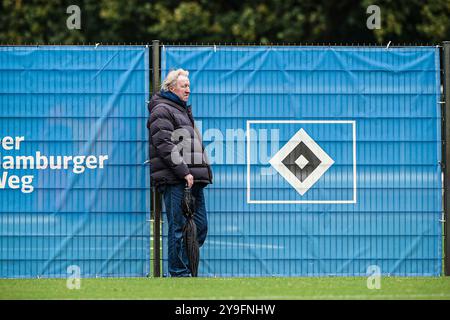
<point>301,161</point>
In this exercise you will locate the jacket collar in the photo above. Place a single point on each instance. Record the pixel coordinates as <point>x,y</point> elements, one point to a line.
<point>175,105</point>
<point>173,97</point>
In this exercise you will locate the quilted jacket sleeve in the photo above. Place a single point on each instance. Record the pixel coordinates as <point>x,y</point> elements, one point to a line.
<point>161,130</point>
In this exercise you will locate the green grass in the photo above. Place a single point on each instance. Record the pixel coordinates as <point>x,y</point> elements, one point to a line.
<point>229,288</point>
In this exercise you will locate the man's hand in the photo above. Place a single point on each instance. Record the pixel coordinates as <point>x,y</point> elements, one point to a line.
<point>189,179</point>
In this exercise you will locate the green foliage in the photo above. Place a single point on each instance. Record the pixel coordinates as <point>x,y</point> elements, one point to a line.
<point>436,20</point>
<point>413,21</point>
<point>187,22</point>
<point>233,21</point>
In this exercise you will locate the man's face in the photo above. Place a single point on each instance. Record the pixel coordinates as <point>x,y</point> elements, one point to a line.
<point>182,88</point>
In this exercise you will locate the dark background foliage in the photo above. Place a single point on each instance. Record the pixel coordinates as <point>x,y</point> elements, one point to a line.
<point>232,21</point>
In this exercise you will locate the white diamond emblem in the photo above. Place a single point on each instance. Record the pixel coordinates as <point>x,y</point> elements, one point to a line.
<point>301,161</point>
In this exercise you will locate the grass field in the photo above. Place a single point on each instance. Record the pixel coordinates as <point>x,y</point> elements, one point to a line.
<point>229,288</point>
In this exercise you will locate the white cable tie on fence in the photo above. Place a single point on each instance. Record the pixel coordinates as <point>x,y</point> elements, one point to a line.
<point>387,47</point>
<point>96,45</point>
<point>442,219</point>
<point>441,102</point>
<point>215,48</point>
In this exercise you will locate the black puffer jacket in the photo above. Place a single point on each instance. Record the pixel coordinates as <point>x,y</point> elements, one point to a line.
<point>172,156</point>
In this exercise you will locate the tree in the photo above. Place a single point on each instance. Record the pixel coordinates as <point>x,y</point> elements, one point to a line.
<point>233,21</point>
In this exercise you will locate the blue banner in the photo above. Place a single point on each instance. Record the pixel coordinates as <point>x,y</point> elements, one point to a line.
<point>73,184</point>
<point>326,159</point>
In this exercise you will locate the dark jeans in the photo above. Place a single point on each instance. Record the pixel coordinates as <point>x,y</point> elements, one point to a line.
<point>173,194</point>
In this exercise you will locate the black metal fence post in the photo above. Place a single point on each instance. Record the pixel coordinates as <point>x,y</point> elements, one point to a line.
<point>446,152</point>
<point>156,197</point>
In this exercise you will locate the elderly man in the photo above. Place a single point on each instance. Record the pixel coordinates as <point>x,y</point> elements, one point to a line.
<point>177,159</point>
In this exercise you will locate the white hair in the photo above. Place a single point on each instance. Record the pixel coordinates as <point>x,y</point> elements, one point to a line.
<point>172,77</point>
